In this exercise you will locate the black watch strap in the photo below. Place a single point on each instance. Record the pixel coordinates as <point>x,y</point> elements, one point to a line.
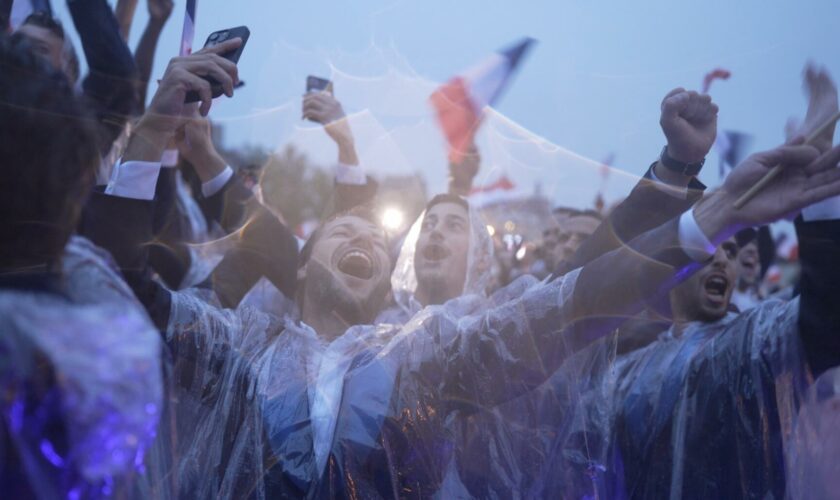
<point>673,165</point>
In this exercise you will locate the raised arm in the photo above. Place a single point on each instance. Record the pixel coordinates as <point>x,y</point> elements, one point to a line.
<point>352,186</point>
<point>670,186</point>
<point>461,174</point>
<point>110,84</point>
<point>222,197</point>
<point>121,219</point>
<point>144,55</point>
<point>522,342</point>
<point>818,231</point>
<point>124,12</point>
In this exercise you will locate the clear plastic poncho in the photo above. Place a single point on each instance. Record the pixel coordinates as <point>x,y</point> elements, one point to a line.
<point>82,375</point>
<point>706,415</point>
<point>404,278</point>
<point>263,407</point>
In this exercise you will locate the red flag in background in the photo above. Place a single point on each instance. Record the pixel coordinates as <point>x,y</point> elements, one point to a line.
<point>715,74</point>
<point>460,101</point>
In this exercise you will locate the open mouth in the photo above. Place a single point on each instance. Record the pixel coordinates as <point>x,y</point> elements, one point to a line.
<point>715,286</point>
<point>356,263</point>
<point>435,253</point>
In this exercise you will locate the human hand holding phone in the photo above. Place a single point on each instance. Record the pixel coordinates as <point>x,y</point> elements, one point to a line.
<point>231,53</point>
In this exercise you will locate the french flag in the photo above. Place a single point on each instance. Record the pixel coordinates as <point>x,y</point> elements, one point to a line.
<point>188,33</point>
<point>460,101</point>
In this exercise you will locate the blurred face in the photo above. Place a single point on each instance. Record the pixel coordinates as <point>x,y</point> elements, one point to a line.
<point>560,243</point>
<point>45,43</point>
<point>749,267</point>
<point>705,296</point>
<point>440,259</point>
<point>349,270</point>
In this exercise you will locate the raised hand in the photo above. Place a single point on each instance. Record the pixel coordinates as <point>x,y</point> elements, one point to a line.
<point>689,121</point>
<point>807,177</point>
<point>324,108</point>
<point>159,10</point>
<point>822,103</point>
<point>195,143</point>
<point>167,111</point>
<point>185,74</point>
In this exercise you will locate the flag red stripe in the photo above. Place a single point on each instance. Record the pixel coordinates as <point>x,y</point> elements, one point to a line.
<point>457,116</point>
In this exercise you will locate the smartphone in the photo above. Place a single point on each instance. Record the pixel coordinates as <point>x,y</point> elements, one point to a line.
<point>315,84</point>
<point>233,56</point>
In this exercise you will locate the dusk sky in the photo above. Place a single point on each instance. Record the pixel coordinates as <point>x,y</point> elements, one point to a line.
<point>591,87</point>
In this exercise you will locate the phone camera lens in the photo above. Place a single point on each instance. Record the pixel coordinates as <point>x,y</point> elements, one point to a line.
<point>214,36</point>
<point>223,36</point>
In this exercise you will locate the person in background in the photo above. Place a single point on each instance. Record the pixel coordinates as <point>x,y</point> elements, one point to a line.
<point>82,378</point>
<point>561,241</point>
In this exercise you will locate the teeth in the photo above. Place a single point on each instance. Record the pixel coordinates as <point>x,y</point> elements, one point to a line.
<point>716,285</point>
<point>356,253</point>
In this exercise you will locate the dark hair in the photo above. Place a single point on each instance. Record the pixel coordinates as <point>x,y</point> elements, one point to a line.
<point>44,20</point>
<point>49,157</point>
<point>447,198</point>
<point>365,212</point>
<point>745,236</point>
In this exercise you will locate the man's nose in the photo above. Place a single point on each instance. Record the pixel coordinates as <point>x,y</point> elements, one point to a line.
<point>363,240</point>
<point>720,259</point>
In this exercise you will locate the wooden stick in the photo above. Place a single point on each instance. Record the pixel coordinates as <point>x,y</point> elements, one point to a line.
<point>775,171</point>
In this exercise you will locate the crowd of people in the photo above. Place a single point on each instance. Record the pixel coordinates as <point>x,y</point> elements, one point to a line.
<point>167,334</point>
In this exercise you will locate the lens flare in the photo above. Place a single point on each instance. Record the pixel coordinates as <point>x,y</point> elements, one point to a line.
<point>393,219</point>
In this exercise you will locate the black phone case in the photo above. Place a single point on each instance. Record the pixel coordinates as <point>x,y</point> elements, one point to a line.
<point>315,83</point>
<point>215,38</point>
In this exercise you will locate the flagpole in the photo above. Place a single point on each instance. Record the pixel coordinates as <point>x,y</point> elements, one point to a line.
<point>775,171</point>
<point>188,33</point>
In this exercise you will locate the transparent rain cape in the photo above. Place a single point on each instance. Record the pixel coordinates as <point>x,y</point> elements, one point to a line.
<point>706,415</point>
<point>261,407</point>
<point>87,434</point>
<point>404,279</point>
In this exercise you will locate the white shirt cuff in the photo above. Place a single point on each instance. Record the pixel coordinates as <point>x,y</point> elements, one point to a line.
<point>215,184</point>
<point>134,179</point>
<point>692,240</point>
<point>350,174</point>
<point>676,191</point>
<point>828,209</point>
<point>169,158</point>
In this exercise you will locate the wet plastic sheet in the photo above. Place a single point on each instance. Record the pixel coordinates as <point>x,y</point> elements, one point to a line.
<point>83,383</point>
<point>405,408</point>
<point>813,453</point>
<point>705,415</point>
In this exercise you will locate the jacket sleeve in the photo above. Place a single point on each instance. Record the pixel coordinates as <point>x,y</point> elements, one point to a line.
<point>511,349</point>
<point>123,226</point>
<point>110,86</point>
<point>819,316</point>
<point>647,207</point>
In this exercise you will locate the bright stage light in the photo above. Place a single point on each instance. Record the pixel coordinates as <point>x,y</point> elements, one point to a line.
<point>491,230</point>
<point>392,219</point>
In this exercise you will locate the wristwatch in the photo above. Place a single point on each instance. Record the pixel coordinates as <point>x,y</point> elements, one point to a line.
<point>679,167</point>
